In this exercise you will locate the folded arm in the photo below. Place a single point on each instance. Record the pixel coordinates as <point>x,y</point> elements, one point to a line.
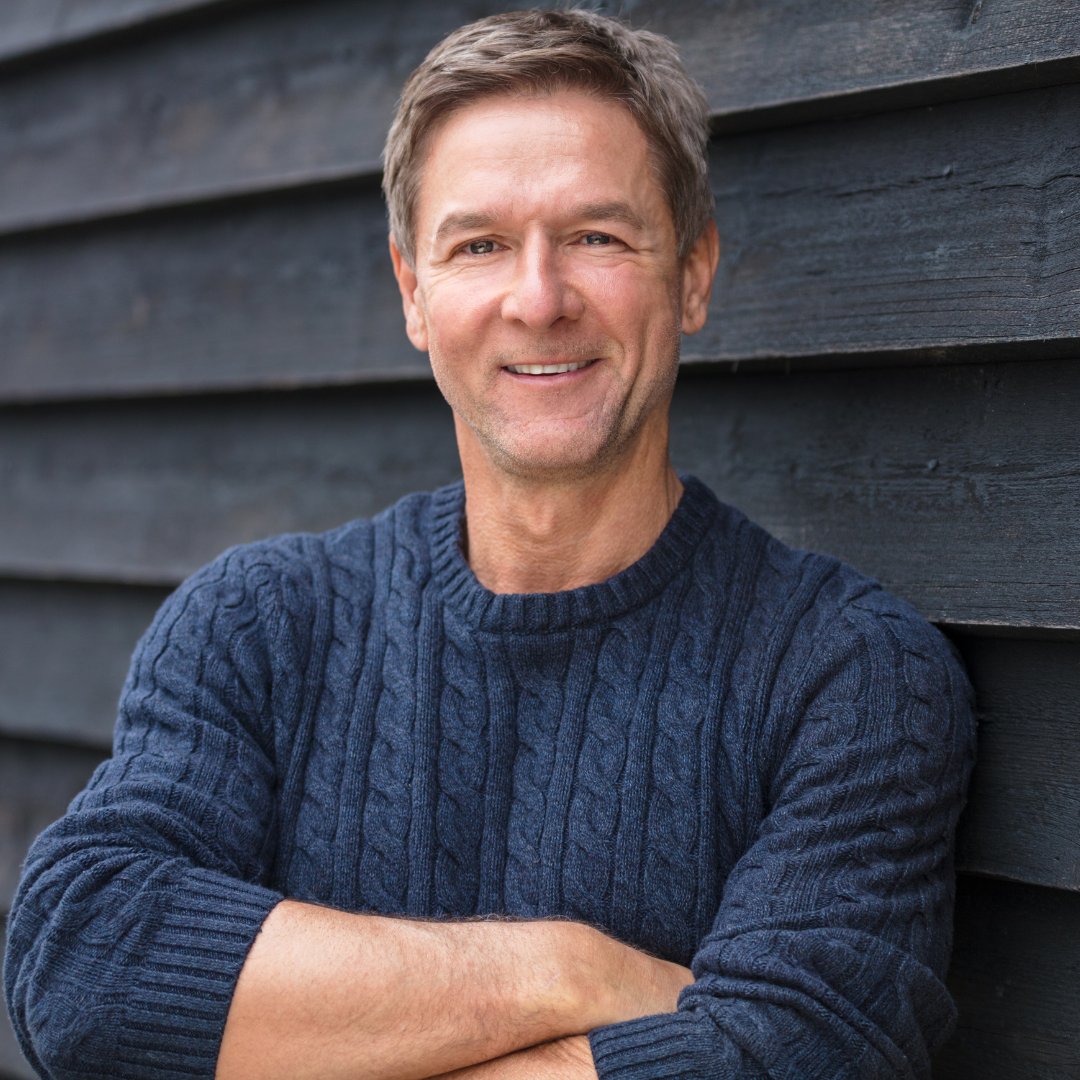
<point>828,953</point>
<point>325,994</point>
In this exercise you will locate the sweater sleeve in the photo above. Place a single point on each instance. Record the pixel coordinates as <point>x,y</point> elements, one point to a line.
<point>137,909</point>
<point>827,957</point>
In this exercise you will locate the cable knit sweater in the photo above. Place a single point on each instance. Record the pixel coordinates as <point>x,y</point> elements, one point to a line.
<point>739,756</point>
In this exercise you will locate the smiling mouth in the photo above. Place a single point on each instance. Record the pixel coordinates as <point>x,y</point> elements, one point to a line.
<point>548,369</point>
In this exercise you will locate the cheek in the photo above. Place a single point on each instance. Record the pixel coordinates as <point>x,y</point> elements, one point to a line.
<point>455,319</point>
<point>634,305</point>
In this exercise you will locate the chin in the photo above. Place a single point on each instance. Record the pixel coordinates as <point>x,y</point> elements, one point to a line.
<point>562,459</point>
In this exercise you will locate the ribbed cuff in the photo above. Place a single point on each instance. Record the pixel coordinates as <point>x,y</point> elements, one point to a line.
<point>176,1014</point>
<point>670,1045</point>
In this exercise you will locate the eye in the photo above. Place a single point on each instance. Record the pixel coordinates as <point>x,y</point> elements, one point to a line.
<point>480,247</point>
<point>596,239</point>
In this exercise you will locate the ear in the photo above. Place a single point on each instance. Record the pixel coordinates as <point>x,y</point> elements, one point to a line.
<point>699,269</point>
<point>415,322</point>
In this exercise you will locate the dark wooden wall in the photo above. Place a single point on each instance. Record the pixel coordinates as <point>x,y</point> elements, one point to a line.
<point>200,345</point>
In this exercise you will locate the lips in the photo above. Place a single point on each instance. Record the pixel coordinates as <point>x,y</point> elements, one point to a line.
<point>548,369</point>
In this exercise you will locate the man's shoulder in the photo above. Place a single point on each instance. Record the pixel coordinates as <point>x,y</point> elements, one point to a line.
<point>817,596</point>
<point>351,545</point>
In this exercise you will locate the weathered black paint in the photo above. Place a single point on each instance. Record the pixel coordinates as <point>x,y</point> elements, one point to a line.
<point>286,93</point>
<point>277,291</point>
<point>947,234</point>
<point>957,486</point>
<point>150,490</point>
<point>934,480</point>
<point>64,651</point>
<point>923,236</point>
<point>1016,979</point>
<point>1023,819</point>
<point>37,781</point>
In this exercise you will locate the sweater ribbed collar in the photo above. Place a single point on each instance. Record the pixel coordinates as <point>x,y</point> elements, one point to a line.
<point>541,612</point>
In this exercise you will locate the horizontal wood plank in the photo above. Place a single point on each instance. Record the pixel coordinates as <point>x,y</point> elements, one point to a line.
<point>148,491</point>
<point>13,1066</point>
<point>277,95</point>
<point>278,292</point>
<point>37,781</point>
<point>285,94</point>
<point>1023,817</point>
<point>933,234</point>
<point>64,652</point>
<point>956,486</point>
<point>790,61</point>
<point>921,237</point>
<point>33,26</point>
<point>1015,977</point>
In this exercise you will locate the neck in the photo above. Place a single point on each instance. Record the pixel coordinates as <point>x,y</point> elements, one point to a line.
<point>526,535</point>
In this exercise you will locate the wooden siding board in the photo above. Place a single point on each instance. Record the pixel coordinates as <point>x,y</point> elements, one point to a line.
<point>37,781</point>
<point>958,487</point>
<point>281,92</point>
<point>270,292</point>
<point>949,233</point>
<point>64,652</point>
<point>1023,818</point>
<point>148,491</point>
<point>1015,977</point>
<point>13,1066</point>
<point>33,26</point>
<point>789,61</point>
<point>285,94</point>
<point>924,236</point>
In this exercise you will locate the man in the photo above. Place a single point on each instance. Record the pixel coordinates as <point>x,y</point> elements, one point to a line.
<point>702,787</point>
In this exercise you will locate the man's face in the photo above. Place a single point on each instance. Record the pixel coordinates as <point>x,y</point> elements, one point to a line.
<point>547,286</point>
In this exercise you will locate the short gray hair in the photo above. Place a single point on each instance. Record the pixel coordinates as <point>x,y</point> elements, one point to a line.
<point>539,52</point>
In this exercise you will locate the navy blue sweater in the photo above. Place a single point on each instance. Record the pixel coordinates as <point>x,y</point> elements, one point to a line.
<point>739,756</point>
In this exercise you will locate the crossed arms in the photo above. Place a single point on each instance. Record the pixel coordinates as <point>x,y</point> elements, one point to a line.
<point>327,995</point>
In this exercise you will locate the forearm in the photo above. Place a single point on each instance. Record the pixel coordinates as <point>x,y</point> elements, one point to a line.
<point>327,995</point>
<point>565,1059</point>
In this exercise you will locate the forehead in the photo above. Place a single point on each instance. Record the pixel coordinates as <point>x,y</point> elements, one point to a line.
<point>513,154</point>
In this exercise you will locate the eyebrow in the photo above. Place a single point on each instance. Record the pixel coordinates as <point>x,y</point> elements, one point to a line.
<point>616,211</point>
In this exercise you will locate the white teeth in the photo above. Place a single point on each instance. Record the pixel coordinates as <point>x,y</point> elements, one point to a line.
<point>546,369</point>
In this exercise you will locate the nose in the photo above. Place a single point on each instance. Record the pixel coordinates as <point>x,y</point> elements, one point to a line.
<point>540,295</point>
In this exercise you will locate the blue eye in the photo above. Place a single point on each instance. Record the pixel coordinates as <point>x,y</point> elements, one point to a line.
<point>595,239</point>
<point>481,247</point>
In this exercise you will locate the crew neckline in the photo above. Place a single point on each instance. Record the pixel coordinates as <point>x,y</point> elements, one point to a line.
<point>530,613</point>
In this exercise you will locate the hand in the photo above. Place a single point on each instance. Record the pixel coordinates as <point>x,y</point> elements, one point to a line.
<point>564,1059</point>
<point>623,983</point>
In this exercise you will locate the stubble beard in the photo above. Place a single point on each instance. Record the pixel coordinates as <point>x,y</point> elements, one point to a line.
<point>573,458</point>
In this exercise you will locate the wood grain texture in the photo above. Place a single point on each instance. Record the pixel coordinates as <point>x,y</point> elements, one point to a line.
<point>958,486</point>
<point>1015,977</point>
<point>32,26</point>
<point>1023,817</point>
<point>278,95</point>
<point>281,94</point>
<point>920,237</point>
<point>770,62</point>
<point>148,491</point>
<point>37,781</point>
<point>13,1066</point>
<point>64,652</point>
<point>932,234</point>
<point>283,291</point>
